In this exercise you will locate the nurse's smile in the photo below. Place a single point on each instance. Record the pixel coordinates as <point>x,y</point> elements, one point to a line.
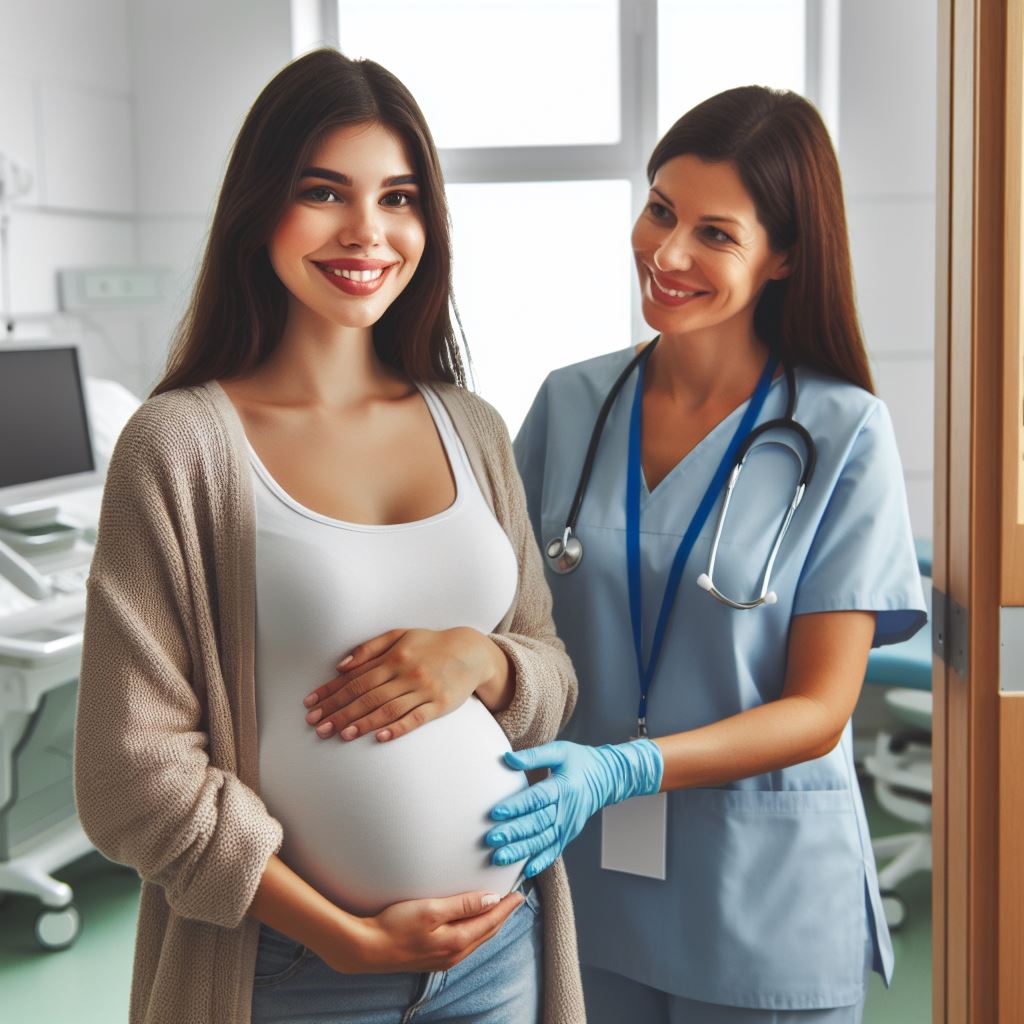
<point>669,292</point>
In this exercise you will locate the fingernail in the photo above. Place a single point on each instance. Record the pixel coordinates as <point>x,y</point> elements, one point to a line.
<point>530,871</point>
<point>314,716</point>
<point>384,735</point>
<point>309,700</point>
<point>503,857</point>
<point>496,838</point>
<point>490,899</point>
<point>344,661</point>
<point>499,812</point>
<point>324,730</point>
<point>350,732</point>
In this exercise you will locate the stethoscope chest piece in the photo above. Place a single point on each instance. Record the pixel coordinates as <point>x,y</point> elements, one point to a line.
<point>564,553</point>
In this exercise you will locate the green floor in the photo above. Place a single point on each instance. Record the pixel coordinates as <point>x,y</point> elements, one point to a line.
<point>89,982</point>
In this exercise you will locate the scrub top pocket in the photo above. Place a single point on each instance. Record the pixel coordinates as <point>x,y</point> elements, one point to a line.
<point>784,924</point>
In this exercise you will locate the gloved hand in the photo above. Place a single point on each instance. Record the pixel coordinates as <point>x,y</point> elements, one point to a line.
<point>541,821</point>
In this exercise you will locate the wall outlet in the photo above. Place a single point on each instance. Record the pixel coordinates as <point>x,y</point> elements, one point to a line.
<point>97,287</point>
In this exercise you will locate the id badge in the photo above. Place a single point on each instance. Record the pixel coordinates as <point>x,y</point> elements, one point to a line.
<point>634,836</point>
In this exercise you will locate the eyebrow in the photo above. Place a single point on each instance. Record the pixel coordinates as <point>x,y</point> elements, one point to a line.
<point>706,218</point>
<point>344,179</point>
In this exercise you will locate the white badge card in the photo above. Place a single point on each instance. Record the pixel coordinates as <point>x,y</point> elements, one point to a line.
<point>633,836</point>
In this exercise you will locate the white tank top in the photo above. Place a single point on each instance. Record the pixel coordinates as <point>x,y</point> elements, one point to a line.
<point>368,823</point>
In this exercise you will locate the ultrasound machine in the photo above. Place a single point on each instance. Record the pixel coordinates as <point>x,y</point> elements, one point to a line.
<point>50,489</point>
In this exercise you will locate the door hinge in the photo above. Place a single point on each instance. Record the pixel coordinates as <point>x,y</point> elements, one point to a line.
<point>949,632</point>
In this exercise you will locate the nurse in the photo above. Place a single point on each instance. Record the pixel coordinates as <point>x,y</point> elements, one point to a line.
<point>720,863</point>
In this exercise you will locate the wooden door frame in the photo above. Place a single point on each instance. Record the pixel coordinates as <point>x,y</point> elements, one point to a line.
<point>978,734</point>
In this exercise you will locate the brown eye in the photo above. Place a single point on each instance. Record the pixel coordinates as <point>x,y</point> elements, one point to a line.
<point>398,199</point>
<point>320,194</point>
<point>717,235</point>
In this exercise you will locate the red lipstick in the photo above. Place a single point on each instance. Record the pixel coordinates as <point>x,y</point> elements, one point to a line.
<point>355,276</point>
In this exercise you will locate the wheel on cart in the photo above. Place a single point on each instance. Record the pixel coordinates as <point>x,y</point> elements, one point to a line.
<point>895,909</point>
<point>58,929</point>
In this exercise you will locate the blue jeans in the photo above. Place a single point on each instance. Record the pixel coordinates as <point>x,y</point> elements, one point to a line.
<point>498,983</point>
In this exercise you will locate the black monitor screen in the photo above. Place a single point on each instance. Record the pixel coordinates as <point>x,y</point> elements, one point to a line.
<point>44,432</point>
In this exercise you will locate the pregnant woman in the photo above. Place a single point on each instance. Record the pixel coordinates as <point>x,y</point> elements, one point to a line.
<point>311,514</point>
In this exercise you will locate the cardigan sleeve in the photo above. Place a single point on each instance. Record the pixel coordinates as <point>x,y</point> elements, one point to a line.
<point>156,785</point>
<point>545,681</point>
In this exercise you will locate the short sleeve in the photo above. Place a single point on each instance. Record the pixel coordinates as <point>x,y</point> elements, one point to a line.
<point>530,447</point>
<point>862,555</point>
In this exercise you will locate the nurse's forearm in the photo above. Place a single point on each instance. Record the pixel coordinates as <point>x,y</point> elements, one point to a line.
<point>763,739</point>
<point>826,660</point>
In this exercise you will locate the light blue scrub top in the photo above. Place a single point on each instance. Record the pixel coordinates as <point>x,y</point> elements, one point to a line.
<point>771,897</point>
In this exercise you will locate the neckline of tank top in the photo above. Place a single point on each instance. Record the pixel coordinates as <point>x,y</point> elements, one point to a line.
<point>457,461</point>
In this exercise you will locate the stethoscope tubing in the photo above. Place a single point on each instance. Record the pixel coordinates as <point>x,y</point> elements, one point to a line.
<point>595,436</point>
<point>565,553</point>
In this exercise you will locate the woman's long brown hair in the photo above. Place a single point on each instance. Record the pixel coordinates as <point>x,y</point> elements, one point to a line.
<point>238,308</point>
<point>781,150</point>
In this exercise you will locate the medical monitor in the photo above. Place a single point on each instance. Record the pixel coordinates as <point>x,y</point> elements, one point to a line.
<point>45,444</point>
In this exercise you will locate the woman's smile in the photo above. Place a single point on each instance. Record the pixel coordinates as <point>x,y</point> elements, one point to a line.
<point>355,277</point>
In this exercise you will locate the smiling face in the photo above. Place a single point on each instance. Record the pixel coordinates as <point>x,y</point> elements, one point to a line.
<point>702,255</point>
<point>352,237</point>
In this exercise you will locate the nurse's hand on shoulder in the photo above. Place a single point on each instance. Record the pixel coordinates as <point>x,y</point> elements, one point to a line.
<point>403,679</point>
<point>540,822</point>
<point>424,935</point>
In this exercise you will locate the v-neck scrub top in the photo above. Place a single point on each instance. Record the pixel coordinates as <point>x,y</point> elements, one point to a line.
<point>367,823</point>
<point>771,892</point>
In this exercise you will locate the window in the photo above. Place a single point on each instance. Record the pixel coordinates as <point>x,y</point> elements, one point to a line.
<point>493,72</point>
<point>700,52</point>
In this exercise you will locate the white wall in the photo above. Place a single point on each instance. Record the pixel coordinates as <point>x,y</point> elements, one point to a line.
<point>66,112</point>
<point>887,140</point>
<point>125,110</point>
<point>197,67</point>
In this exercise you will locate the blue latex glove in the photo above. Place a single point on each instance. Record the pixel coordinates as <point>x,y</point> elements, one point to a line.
<point>540,822</point>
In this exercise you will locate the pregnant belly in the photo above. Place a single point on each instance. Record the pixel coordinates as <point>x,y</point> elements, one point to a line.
<point>369,824</point>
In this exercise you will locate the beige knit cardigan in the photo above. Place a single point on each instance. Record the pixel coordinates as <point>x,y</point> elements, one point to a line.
<point>166,756</point>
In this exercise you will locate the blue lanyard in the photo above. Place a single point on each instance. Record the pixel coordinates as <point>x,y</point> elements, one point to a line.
<point>645,673</point>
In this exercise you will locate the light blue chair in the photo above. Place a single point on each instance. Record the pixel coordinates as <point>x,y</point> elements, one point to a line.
<point>900,764</point>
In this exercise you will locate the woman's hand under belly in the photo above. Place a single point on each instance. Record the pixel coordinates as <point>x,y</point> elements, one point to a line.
<point>369,824</point>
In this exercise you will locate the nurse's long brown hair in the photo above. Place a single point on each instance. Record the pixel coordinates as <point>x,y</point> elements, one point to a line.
<point>781,150</point>
<point>238,308</point>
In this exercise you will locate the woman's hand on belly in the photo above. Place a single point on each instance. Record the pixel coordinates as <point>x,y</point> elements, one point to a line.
<point>405,678</point>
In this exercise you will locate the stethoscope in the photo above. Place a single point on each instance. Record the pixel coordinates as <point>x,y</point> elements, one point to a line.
<point>565,553</point>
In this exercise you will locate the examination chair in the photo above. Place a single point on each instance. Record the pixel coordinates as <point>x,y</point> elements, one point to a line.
<point>900,764</point>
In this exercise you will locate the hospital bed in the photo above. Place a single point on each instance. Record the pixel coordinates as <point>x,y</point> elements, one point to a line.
<point>50,489</point>
<point>900,763</point>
